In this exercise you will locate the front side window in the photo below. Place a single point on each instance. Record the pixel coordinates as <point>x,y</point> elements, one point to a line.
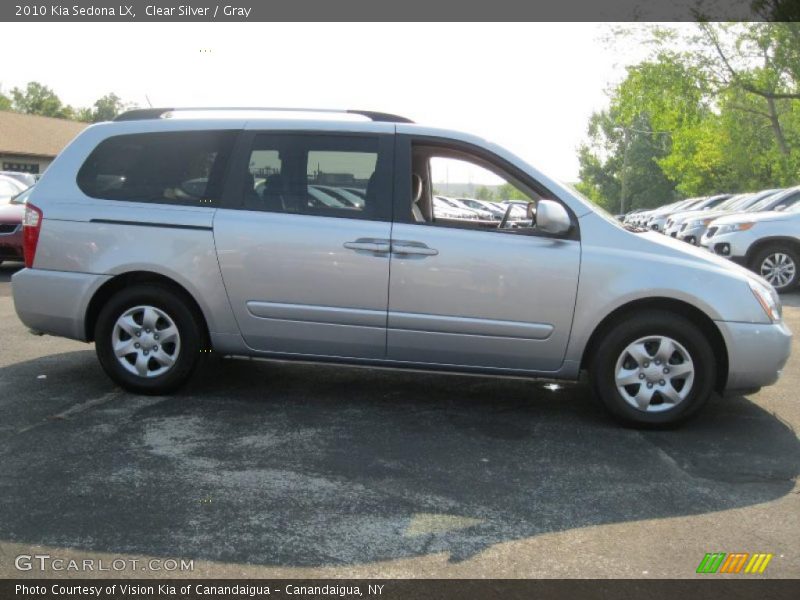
<point>177,167</point>
<point>327,175</point>
<point>451,188</point>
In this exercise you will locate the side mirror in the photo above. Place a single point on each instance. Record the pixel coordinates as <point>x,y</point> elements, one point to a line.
<point>551,217</point>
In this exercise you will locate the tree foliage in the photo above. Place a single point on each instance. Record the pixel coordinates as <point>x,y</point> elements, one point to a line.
<point>719,109</point>
<point>38,99</point>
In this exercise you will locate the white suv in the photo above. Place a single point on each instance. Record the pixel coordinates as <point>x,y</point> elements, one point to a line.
<point>767,243</point>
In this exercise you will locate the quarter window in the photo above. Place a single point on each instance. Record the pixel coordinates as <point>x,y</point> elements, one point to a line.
<point>185,167</point>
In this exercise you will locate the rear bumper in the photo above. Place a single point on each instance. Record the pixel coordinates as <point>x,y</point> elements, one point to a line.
<point>757,353</point>
<point>54,302</point>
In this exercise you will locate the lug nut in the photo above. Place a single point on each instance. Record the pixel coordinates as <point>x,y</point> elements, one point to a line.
<point>658,362</point>
<point>147,330</point>
<point>146,353</point>
<point>649,383</point>
<point>139,333</point>
<point>155,337</point>
<point>137,345</point>
<point>666,370</point>
<point>661,382</point>
<point>646,364</point>
<point>155,348</point>
<point>641,375</point>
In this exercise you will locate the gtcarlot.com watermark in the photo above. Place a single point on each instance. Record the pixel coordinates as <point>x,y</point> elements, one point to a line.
<point>46,562</point>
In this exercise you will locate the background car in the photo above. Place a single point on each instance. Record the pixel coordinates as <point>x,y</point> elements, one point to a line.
<point>444,209</point>
<point>768,243</point>
<point>693,229</point>
<point>495,210</point>
<point>658,217</point>
<point>11,214</point>
<point>26,179</point>
<point>674,220</point>
<point>10,187</point>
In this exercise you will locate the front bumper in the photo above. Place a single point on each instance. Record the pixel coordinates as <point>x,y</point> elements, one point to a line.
<point>692,235</point>
<point>757,353</point>
<point>54,302</point>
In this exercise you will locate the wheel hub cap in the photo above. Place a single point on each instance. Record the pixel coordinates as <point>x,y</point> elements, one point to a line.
<point>654,374</point>
<point>146,341</point>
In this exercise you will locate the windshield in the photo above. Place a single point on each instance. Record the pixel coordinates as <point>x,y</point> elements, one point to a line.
<point>789,196</point>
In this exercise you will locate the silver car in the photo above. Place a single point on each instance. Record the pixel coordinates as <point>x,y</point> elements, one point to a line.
<point>171,233</point>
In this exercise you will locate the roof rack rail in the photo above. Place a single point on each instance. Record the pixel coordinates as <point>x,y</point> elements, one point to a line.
<point>139,114</point>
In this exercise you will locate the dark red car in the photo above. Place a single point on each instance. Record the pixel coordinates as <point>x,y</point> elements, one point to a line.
<point>11,214</point>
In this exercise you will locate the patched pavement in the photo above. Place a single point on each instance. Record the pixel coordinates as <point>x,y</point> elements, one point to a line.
<point>278,469</point>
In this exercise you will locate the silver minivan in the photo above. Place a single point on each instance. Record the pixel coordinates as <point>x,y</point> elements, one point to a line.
<point>170,233</point>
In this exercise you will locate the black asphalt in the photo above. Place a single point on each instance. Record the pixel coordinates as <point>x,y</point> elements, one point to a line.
<point>296,465</point>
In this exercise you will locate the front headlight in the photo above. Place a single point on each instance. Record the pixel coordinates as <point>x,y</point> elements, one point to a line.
<point>732,227</point>
<point>768,299</point>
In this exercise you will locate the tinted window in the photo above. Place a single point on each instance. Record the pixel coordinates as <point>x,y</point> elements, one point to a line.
<point>184,167</point>
<point>336,176</point>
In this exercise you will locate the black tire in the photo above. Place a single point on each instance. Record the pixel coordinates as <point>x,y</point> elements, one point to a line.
<point>653,323</point>
<point>179,310</point>
<point>770,250</point>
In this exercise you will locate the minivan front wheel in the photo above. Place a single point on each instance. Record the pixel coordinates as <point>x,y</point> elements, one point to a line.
<point>654,368</point>
<point>148,339</point>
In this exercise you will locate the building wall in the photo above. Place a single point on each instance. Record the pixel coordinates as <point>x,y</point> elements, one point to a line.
<point>28,164</point>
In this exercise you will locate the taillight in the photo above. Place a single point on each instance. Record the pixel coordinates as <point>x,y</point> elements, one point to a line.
<point>31,226</point>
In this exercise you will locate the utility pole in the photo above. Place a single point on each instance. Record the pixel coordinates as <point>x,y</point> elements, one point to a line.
<point>624,185</point>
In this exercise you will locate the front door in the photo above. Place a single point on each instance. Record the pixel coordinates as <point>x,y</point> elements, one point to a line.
<point>474,290</point>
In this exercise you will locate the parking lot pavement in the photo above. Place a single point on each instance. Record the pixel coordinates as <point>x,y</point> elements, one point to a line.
<point>287,470</point>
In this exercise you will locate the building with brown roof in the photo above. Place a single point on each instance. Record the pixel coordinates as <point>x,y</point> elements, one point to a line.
<point>29,143</point>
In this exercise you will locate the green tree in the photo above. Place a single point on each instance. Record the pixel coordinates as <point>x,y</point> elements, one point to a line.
<point>619,168</point>
<point>714,111</point>
<point>106,108</point>
<point>38,99</point>
<point>484,193</point>
<point>507,191</point>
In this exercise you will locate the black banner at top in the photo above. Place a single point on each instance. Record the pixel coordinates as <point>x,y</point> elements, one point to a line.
<point>396,10</point>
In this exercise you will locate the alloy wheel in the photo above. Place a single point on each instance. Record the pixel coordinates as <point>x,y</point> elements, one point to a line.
<point>778,269</point>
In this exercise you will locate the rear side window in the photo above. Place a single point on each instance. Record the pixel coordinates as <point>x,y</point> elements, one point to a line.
<point>177,167</point>
<point>325,175</point>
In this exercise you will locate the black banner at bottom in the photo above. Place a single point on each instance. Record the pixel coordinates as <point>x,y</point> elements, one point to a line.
<point>397,589</point>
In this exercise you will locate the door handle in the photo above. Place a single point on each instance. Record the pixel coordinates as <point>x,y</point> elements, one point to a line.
<point>404,247</point>
<point>369,245</point>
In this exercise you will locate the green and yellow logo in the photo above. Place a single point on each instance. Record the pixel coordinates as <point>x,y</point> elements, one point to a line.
<point>736,562</point>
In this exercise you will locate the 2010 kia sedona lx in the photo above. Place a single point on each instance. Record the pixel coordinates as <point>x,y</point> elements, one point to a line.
<point>313,235</point>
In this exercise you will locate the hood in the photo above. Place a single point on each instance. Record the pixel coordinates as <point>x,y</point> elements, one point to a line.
<point>755,217</point>
<point>708,214</point>
<point>677,249</point>
<point>11,213</point>
<point>688,214</point>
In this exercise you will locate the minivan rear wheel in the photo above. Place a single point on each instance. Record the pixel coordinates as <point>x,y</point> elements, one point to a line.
<point>148,339</point>
<point>654,368</point>
<point>778,264</point>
